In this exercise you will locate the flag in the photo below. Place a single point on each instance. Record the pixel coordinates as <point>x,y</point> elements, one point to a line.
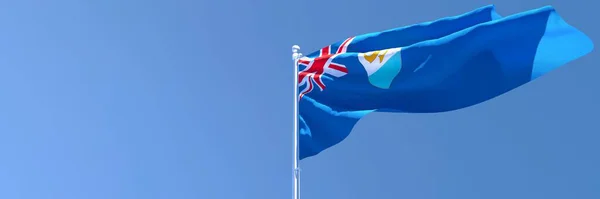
<point>438,66</point>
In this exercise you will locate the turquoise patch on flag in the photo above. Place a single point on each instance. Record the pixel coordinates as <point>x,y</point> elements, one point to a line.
<point>383,77</point>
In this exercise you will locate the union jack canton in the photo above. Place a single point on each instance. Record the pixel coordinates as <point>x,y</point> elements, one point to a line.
<point>318,65</point>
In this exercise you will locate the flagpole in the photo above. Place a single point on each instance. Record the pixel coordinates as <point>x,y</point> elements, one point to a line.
<point>296,56</point>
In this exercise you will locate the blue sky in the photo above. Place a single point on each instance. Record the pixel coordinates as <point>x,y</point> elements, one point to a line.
<point>193,99</point>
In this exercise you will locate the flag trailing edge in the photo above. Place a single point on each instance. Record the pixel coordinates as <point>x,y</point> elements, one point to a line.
<point>438,66</point>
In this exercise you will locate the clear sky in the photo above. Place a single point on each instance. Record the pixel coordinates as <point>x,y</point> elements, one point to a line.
<point>178,99</point>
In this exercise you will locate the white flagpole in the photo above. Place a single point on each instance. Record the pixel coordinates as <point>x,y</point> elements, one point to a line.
<point>296,56</point>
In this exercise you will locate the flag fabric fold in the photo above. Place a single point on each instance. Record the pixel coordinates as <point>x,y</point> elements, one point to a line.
<point>438,66</point>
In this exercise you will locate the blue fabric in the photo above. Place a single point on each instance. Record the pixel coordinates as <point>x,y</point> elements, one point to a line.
<point>439,66</point>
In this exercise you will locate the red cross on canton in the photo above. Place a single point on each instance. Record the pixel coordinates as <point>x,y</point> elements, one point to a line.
<point>316,67</point>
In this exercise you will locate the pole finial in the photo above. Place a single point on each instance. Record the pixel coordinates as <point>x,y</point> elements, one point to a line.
<point>295,54</point>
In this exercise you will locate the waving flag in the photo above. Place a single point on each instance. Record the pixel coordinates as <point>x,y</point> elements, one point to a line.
<point>439,66</point>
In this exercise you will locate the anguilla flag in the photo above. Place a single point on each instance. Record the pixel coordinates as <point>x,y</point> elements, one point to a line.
<point>438,66</point>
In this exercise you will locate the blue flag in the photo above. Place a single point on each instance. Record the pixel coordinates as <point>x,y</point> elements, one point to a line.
<point>439,66</point>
